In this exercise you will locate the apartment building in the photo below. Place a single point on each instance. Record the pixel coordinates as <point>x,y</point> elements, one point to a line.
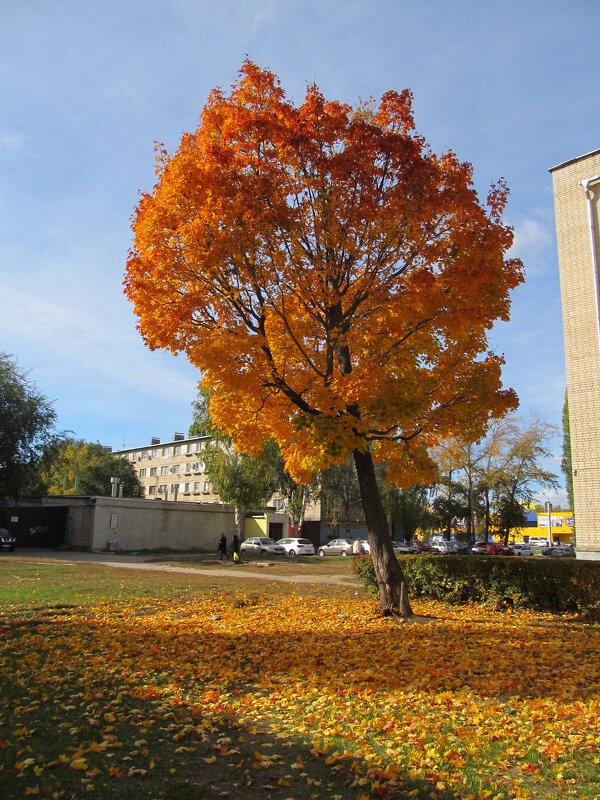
<point>576,186</point>
<point>173,471</point>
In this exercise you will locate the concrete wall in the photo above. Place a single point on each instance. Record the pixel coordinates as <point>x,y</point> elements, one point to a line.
<point>103,523</point>
<point>582,346</point>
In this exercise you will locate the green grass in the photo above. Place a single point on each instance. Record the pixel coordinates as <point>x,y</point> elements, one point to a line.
<point>25,584</point>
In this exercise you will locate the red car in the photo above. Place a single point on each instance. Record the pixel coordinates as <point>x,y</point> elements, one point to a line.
<point>423,548</point>
<point>491,549</point>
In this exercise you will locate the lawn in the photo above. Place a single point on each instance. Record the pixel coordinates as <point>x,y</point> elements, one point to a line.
<point>123,684</point>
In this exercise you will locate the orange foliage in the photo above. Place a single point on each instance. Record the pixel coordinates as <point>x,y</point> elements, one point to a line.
<point>331,277</point>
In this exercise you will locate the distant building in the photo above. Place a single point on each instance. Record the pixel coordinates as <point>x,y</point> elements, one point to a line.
<point>576,198</point>
<point>536,527</point>
<point>172,470</point>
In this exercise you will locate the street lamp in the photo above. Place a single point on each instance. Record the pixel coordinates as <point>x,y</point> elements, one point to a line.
<point>549,507</point>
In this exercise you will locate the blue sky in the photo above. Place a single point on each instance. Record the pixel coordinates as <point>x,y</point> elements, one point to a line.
<point>89,86</point>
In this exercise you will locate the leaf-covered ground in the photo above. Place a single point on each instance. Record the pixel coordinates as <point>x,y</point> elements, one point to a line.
<point>283,695</point>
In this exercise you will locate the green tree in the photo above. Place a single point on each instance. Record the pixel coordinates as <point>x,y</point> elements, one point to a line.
<point>271,468</point>
<point>202,424</point>
<point>523,472</point>
<point>241,480</point>
<point>26,426</point>
<point>79,467</point>
<point>340,495</point>
<point>409,509</point>
<point>567,462</point>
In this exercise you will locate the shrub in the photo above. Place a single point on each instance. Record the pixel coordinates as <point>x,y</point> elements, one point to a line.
<point>543,584</point>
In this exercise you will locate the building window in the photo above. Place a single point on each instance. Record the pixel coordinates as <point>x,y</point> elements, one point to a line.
<point>177,450</point>
<point>162,489</point>
<point>188,468</point>
<point>152,490</point>
<point>197,487</point>
<point>154,453</point>
<point>186,488</point>
<point>143,472</point>
<point>174,488</point>
<point>188,449</point>
<point>206,489</point>
<point>164,470</point>
<point>165,452</point>
<point>152,471</point>
<point>175,469</point>
<point>198,446</point>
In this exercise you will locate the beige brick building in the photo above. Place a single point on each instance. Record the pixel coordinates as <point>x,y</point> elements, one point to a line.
<point>175,472</point>
<point>172,470</point>
<point>577,205</point>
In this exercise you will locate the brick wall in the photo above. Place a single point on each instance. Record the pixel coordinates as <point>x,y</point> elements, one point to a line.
<point>581,334</point>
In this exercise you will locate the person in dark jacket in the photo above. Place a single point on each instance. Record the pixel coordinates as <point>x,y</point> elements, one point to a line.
<point>223,547</point>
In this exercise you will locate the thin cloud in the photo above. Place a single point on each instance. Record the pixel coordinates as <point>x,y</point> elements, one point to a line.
<point>533,243</point>
<point>12,144</point>
<point>86,343</point>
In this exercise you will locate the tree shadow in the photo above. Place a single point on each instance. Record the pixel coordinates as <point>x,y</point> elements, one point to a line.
<point>208,686</point>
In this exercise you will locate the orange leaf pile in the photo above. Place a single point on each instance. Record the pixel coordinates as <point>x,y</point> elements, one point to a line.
<point>467,703</point>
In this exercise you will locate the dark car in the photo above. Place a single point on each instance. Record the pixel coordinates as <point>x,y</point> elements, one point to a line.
<point>559,551</point>
<point>7,542</point>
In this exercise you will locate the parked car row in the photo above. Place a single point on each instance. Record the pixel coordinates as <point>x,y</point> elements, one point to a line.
<point>263,546</point>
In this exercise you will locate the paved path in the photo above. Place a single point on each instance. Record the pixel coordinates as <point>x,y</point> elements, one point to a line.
<point>119,561</point>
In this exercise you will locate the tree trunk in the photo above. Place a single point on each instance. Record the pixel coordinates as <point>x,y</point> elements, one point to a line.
<point>393,593</point>
<point>238,517</point>
<point>487,515</point>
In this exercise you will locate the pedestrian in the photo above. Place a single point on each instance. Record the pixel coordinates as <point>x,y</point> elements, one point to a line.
<point>223,547</point>
<point>235,548</point>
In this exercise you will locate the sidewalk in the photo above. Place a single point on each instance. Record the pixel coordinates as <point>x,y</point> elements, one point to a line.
<point>245,570</point>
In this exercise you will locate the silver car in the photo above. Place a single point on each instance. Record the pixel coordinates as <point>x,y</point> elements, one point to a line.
<point>262,546</point>
<point>521,549</point>
<point>297,547</point>
<point>338,547</point>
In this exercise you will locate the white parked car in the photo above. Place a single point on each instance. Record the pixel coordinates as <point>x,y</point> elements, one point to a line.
<point>445,547</point>
<point>521,549</point>
<point>262,546</point>
<point>297,547</point>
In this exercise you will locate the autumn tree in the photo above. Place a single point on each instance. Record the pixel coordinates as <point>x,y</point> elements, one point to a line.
<point>334,281</point>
